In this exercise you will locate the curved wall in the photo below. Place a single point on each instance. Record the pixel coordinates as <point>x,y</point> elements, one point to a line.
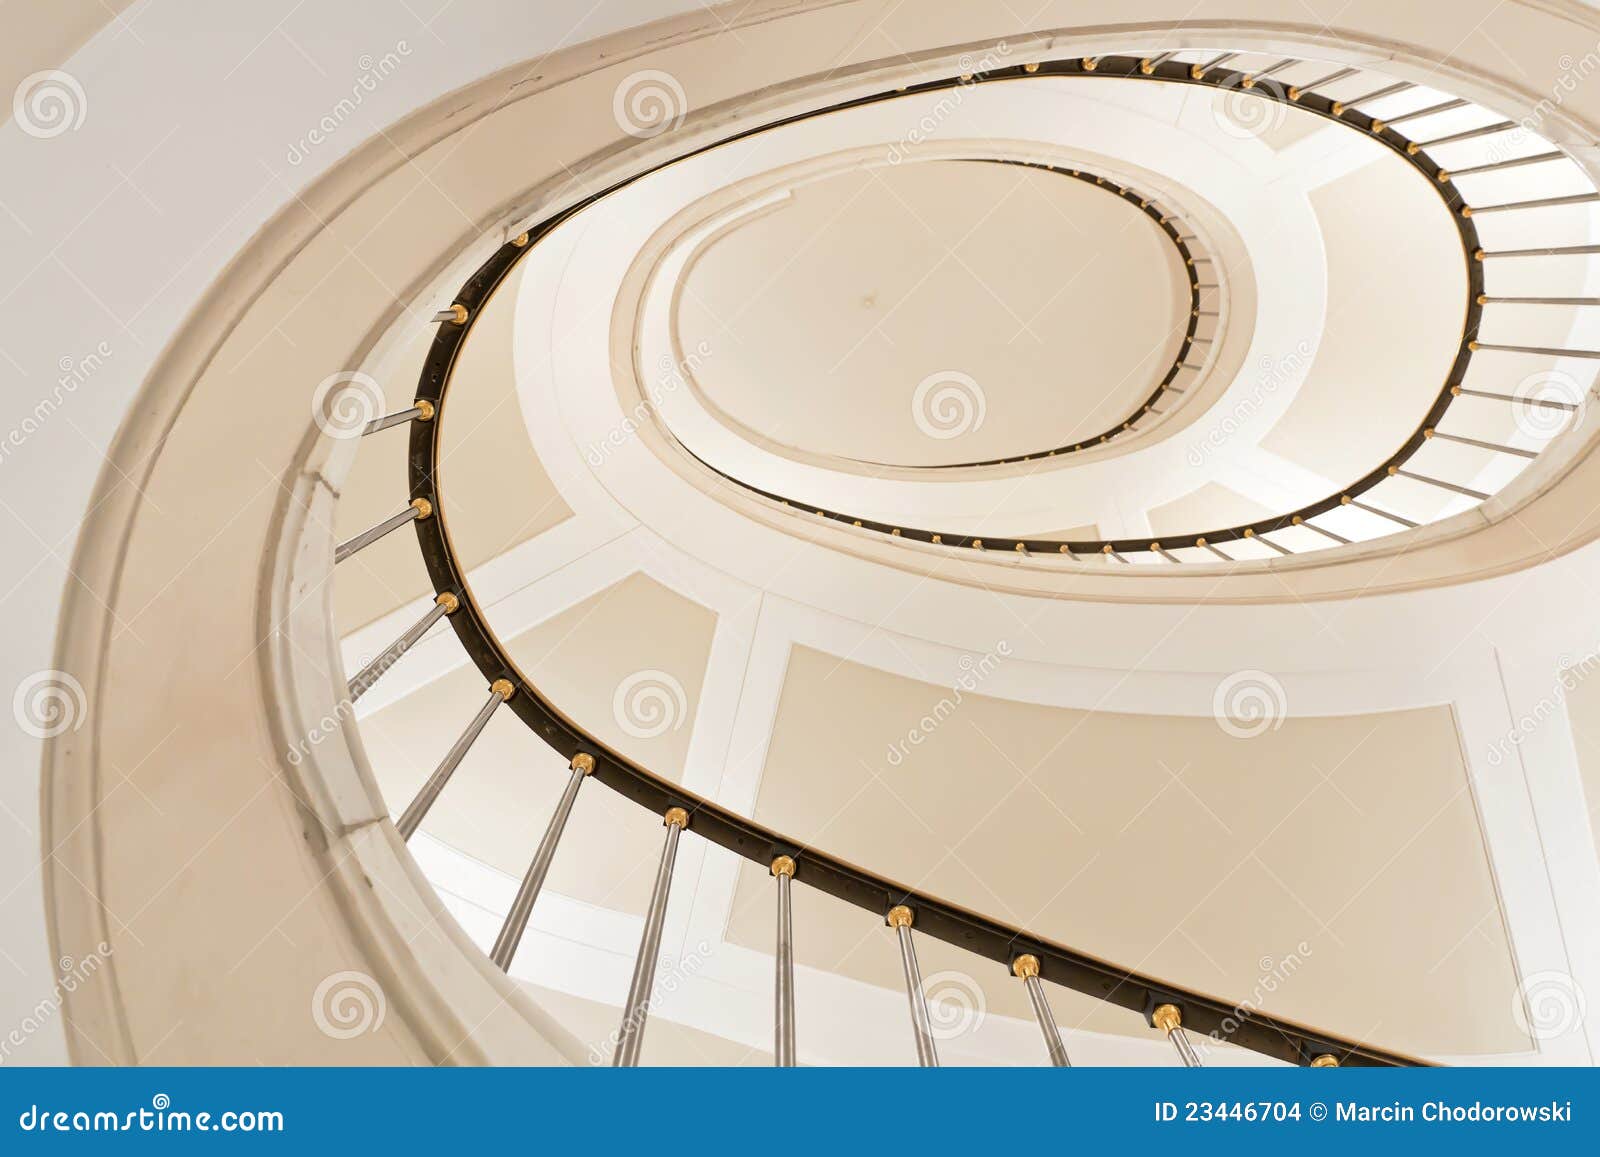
<point>194,928</point>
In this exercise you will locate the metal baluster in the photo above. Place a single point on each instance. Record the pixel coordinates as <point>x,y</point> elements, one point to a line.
<point>1388,90</point>
<point>1416,147</point>
<point>1198,71</point>
<point>1346,500</point>
<point>1339,538</point>
<point>1026,966</point>
<point>1250,81</point>
<point>1558,251</point>
<point>1517,163</point>
<point>644,967</point>
<point>421,412</point>
<point>1169,1019</point>
<point>1148,65</point>
<point>1297,91</point>
<point>1249,533</point>
<point>457,314</point>
<point>419,508</point>
<point>1432,109</point>
<point>444,603</point>
<point>1485,299</point>
<point>899,919</point>
<point>1546,403</point>
<point>499,691</point>
<point>1482,445</point>
<point>1396,472</point>
<point>1542,351</point>
<point>1541,203</point>
<point>1224,557</point>
<point>783,1023</point>
<point>505,944</point>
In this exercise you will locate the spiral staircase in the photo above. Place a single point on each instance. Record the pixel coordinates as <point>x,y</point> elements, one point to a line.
<point>816,534</point>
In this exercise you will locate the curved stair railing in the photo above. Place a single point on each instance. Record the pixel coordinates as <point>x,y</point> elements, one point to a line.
<point>1417,148</point>
<point>1032,959</point>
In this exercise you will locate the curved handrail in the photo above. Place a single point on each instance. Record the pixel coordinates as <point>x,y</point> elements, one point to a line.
<point>1414,153</point>
<point>1173,71</point>
<point>1164,1004</point>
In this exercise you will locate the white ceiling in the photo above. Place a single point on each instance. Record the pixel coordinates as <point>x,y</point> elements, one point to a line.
<point>1046,309</point>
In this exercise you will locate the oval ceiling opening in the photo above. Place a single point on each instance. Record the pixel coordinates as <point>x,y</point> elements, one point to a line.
<point>934,313</point>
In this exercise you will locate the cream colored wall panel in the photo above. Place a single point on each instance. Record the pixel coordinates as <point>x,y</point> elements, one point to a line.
<point>1166,841</point>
